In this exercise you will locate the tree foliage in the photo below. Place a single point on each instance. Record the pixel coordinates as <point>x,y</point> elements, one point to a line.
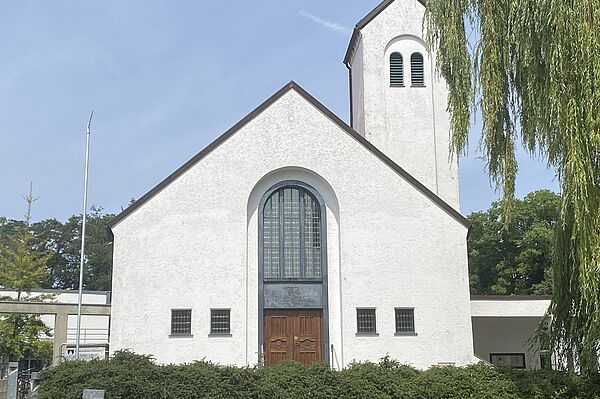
<point>535,75</point>
<point>46,255</point>
<point>514,257</point>
<point>22,268</point>
<point>62,243</point>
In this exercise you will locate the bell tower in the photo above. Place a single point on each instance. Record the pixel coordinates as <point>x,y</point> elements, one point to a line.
<point>397,102</point>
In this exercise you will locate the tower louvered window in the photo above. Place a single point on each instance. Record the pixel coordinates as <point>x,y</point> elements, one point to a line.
<point>292,235</point>
<point>417,73</point>
<point>396,70</point>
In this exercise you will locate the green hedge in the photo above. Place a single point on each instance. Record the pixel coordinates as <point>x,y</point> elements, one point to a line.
<point>131,376</point>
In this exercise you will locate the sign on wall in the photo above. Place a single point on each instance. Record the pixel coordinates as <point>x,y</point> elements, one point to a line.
<point>86,352</point>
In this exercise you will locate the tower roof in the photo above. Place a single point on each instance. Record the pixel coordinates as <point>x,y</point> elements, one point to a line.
<point>364,22</point>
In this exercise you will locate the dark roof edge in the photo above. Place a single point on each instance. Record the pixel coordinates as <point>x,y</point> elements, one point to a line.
<point>204,152</point>
<point>351,46</point>
<point>375,151</point>
<point>511,297</point>
<point>364,22</point>
<point>325,111</point>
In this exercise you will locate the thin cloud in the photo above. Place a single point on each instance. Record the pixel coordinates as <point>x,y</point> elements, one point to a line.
<point>331,25</point>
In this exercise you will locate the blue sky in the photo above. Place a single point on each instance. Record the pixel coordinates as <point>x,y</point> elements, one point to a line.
<point>164,79</point>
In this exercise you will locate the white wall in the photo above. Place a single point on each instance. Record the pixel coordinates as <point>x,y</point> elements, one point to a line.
<point>409,124</point>
<point>358,91</point>
<point>194,245</point>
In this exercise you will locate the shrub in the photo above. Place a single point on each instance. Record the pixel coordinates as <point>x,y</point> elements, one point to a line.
<point>130,376</point>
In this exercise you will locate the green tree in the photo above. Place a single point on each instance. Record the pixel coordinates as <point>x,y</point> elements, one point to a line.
<point>535,75</point>
<point>98,252</point>
<point>514,258</point>
<point>21,269</point>
<point>63,242</point>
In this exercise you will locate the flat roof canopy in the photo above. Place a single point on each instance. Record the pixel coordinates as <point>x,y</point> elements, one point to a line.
<point>509,305</point>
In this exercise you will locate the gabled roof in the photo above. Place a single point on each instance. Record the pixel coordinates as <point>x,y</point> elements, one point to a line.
<point>257,111</point>
<point>364,22</point>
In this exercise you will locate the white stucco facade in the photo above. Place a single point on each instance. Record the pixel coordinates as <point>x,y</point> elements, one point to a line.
<point>410,124</point>
<point>194,245</point>
<point>389,198</point>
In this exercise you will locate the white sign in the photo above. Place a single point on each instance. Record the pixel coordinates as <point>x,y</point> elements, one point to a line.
<point>87,352</point>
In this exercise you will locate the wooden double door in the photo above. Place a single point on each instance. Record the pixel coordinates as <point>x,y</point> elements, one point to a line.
<point>293,334</point>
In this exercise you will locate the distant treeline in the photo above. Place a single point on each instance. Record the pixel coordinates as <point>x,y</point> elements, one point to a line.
<point>504,258</point>
<point>61,244</point>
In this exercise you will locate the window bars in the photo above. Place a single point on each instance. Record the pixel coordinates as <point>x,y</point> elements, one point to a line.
<point>220,321</point>
<point>366,322</point>
<point>405,320</point>
<point>181,322</point>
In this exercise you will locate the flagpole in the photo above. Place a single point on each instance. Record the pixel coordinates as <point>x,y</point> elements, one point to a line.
<point>82,257</point>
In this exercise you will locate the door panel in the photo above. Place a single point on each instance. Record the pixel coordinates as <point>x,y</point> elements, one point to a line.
<point>294,335</point>
<point>278,345</point>
<point>307,338</point>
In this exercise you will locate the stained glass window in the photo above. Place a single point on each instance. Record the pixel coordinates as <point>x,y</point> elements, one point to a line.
<point>292,234</point>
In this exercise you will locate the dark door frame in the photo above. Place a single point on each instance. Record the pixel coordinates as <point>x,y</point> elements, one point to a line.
<point>324,306</point>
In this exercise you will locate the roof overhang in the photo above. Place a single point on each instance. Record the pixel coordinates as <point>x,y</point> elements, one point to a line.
<point>509,305</point>
<point>361,24</point>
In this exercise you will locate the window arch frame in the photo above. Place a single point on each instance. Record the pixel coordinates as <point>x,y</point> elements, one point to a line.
<point>413,59</point>
<point>399,70</point>
<point>322,231</point>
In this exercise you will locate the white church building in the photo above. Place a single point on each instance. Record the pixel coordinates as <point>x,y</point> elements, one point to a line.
<point>297,236</point>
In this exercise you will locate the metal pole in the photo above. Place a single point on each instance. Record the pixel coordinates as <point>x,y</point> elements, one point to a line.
<point>82,257</point>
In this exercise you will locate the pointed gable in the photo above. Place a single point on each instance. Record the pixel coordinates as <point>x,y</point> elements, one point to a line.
<point>257,111</point>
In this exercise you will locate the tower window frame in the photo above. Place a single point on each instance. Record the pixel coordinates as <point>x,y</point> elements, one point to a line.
<point>396,70</point>
<point>417,70</point>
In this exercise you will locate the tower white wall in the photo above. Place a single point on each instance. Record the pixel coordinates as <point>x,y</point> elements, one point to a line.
<point>409,124</point>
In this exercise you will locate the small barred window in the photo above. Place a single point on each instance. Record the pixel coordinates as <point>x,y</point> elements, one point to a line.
<point>405,321</point>
<point>181,322</point>
<point>220,321</point>
<point>365,321</point>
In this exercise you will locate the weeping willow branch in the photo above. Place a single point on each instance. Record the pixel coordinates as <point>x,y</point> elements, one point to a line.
<point>534,72</point>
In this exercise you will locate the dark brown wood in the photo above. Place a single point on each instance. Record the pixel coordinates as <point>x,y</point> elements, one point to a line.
<point>293,335</point>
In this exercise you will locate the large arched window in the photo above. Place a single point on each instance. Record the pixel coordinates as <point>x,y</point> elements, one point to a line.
<point>396,70</point>
<point>417,72</point>
<point>292,235</point>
